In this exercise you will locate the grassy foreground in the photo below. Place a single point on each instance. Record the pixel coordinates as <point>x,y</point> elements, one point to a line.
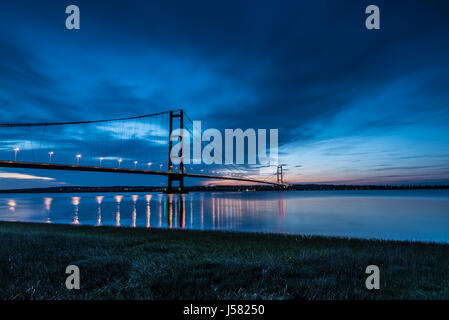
<point>121,263</point>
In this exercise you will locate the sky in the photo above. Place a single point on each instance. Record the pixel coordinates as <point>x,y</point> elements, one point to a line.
<point>352,105</point>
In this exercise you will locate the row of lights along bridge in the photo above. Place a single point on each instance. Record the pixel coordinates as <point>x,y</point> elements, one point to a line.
<point>79,156</point>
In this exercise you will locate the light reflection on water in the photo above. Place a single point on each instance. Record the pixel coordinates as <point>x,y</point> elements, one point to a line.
<point>392,214</point>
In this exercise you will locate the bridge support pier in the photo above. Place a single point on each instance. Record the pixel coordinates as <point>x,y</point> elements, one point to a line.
<point>175,189</point>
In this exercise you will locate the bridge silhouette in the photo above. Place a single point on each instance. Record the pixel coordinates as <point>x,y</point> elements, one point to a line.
<point>175,174</point>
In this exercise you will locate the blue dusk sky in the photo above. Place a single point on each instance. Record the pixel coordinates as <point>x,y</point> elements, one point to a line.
<point>353,106</point>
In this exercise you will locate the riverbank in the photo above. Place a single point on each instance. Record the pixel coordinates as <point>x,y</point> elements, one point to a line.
<point>125,263</point>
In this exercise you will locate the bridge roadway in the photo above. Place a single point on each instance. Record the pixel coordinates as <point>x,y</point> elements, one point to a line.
<point>54,166</point>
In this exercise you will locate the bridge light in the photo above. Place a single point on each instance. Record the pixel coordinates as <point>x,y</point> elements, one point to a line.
<point>101,160</point>
<point>135,164</point>
<point>78,157</point>
<point>49,155</point>
<point>160,166</point>
<point>16,150</point>
<point>12,205</point>
<point>149,165</point>
<point>119,161</point>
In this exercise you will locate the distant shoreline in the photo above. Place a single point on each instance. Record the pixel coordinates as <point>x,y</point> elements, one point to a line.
<point>298,187</point>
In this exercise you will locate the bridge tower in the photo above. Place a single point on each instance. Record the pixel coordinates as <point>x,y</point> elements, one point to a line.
<point>175,115</point>
<point>279,174</point>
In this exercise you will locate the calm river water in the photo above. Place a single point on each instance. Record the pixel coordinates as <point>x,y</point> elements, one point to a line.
<point>391,214</point>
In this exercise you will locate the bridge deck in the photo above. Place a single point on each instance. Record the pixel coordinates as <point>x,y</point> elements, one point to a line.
<point>53,166</point>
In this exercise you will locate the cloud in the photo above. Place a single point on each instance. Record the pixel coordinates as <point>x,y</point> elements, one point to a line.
<point>406,167</point>
<point>21,176</point>
<point>310,69</point>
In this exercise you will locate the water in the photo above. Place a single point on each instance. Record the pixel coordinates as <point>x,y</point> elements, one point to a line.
<point>390,214</point>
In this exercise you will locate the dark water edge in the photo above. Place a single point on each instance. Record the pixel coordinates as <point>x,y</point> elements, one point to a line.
<point>125,263</point>
<point>301,187</point>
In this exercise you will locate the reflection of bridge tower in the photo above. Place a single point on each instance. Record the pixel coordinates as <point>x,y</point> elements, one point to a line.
<point>180,178</point>
<point>279,174</point>
<point>170,211</point>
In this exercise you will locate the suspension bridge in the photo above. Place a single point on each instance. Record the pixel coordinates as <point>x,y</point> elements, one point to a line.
<point>132,145</point>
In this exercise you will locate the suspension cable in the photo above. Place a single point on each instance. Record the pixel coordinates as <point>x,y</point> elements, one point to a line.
<point>78,122</point>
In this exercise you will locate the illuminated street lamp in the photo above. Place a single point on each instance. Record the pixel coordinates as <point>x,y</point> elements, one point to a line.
<point>135,164</point>
<point>16,150</point>
<point>78,157</point>
<point>101,160</point>
<point>49,156</point>
<point>149,165</point>
<point>119,161</point>
<point>160,166</point>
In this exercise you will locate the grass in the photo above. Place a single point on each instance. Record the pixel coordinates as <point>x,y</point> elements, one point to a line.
<point>121,263</point>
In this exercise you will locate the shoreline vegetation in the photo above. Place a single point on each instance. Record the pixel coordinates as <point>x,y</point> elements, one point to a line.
<point>295,187</point>
<point>138,263</point>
